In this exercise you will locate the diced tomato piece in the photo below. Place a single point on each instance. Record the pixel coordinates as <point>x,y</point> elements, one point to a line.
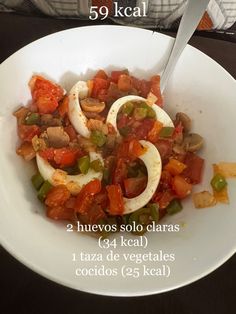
<point>71,132</point>
<point>93,187</point>
<point>101,74</point>
<point>57,196</point>
<point>60,213</point>
<point>113,92</point>
<point>95,213</point>
<point>40,86</point>
<point>181,187</point>
<point>47,154</point>
<point>141,132</point>
<point>116,199</point>
<point>46,103</point>
<point>165,181</point>
<point>65,157</point>
<point>122,121</point>
<point>155,89</point>
<point>120,172</point>
<point>86,196</point>
<point>124,83</point>
<point>145,87</point>
<point>136,83</point>
<point>70,203</point>
<point>98,84</point>
<point>27,132</point>
<point>136,149</point>
<point>116,74</point>
<point>175,167</point>
<point>153,134</point>
<point>134,186</point>
<point>64,106</point>
<point>164,198</point>
<point>101,198</point>
<point>165,148</point>
<point>194,169</point>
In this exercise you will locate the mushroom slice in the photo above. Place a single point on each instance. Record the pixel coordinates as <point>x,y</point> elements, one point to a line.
<point>161,115</point>
<point>76,115</point>
<point>152,161</point>
<point>193,142</point>
<point>92,105</point>
<point>58,176</point>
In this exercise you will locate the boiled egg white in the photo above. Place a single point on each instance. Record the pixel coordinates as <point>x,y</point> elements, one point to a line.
<point>152,160</point>
<point>74,183</point>
<point>161,115</point>
<point>76,115</point>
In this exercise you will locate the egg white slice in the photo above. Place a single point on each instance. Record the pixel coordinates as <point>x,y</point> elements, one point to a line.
<point>76,115</point>
<point>152,161</point>
<point>73,182</point>
<point>162,116</point>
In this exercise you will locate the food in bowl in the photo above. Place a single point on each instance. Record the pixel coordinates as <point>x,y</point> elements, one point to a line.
<point>107,152</point>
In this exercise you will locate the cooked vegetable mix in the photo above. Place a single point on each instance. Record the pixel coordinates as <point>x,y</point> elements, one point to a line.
<point>108,151</point>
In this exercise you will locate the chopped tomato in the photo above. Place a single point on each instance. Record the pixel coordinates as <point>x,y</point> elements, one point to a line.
<point>136,83</point>
<point>116,74</point>
<point>98,84</point>
<point>165,148</point>
<point>178,130</point>
<point>136,149</point>
<point>101,74</point>
<point>174,167</point>
<point>65,157</point>
<point>130,149</point>
<point>27,132</point>
<point>95,213</point>
<point>120,172</point>
<point>122,121</point>
<point>153,134</point>
<point>93,187</point>
<point>113,92</point>
<point>165,181</point>
<point>40,86</point>
<point>181,187</point>
<point>134,186</point>
<point>47,154</point>
<point>155,89</point>
<point>144,88</point>
<point>57,196</point>
<point>101,198</point>
<point>141,132</point>
<point>86,196</point>
<point>164,198</point>
<point>124,83</point>
<point>46,103</point>
<point>63,107</point>
<point>60,213</point>
<point>116,199</point>
<point>194,169</point>
<point>71,132</point>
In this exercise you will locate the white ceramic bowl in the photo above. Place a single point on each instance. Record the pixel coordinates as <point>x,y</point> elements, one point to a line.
<point>198,86</point>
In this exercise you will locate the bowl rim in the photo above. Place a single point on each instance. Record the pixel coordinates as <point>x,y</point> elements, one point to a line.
<point>8,247</point>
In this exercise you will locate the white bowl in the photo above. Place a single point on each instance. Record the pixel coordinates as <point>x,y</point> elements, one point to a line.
<point>198,86</point>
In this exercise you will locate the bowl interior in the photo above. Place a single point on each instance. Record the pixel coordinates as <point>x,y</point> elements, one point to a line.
<point>198,86</point>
